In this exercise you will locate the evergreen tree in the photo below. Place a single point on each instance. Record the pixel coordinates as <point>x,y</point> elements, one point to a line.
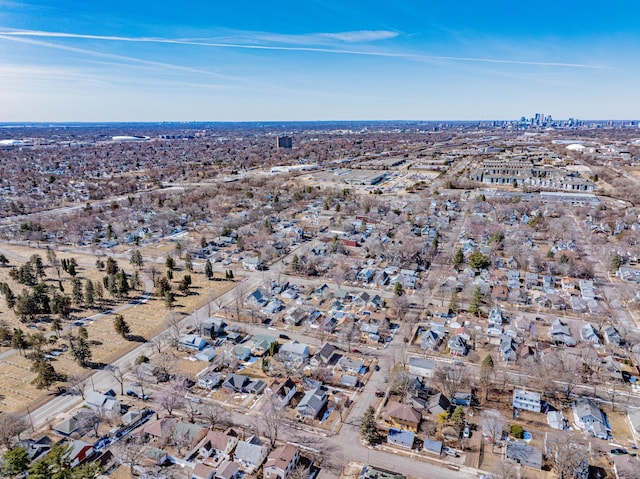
<point>18,340</point>
<point>169,299</point>
<point>121,326</point>
<point>476,301</point>
<point>45,373</point>
<point>188,264</point>
<point>111,266</point>
<point>136,260</point>
<point>458,416</point>
<point>458,258</point>
<point>398,289</point>
<point>56,326</point>
<point>89,294</point>
<point>208,269</point>
<point>76,292</point>
<point>170,262</point>
<point>38,266</point>
<point>16,461</point>
<point>368,427</point>
<point>80,347</point>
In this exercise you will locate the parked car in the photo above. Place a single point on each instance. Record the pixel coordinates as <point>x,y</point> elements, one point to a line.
<point>376,368</point>
<point>466,433</point>
<point>283,336</point>
<point>618,451</point>
<point>132,393</point>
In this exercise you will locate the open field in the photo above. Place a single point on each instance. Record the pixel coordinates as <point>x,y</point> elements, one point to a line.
<point>145,320</point>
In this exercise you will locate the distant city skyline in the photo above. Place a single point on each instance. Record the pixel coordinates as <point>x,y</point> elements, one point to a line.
<point>65,61</point>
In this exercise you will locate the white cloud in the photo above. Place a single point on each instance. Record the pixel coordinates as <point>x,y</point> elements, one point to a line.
<point>361,36</point>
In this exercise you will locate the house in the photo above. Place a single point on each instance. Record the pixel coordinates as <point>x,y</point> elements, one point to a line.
<point>202,471</point>
<point>257,299</point>
<point>369,332</point>
<point>513,279</point>
<point>376,302</point>
<point>463,399</point>
<point>273,306</point>
<point>261,344</point>
<point>242,353</point>
<point>325,356</point>
<point>362,299</point>
<point>227,470</point>
<point>366,275</point>
<point>612,368</point>
<point>79,452</point>
<point>495,317</point>
<point>349,381</point>
<point>349,365</point>
<point>611,336</point>
<point>192,341</point>
<point>524,455</point>
<point>104,403</point>
<point>422,367</point>
<point>282,394</point>
<point>588,333</point>
<point>403,416</point>
<point>589,417</point>
<point>209,380</point>
<point>312,402</point>
<point>500,292</point>
<point>508,349</point>
<point>207,355</point>
<point>250,454</point>
<point>218,444</point>
<point>237,383</point>
<point>68,426</point>
<point>560,333</point>
<point>281,462</point>
<point>430,340</point>
<point>295,316</point>
<point>36,448</point>
<point>526,400</point>
<point>433,447</point>
<point>399,437</point>
<point>438,404</point>
<point>371,472</point>
<point>213,328</point>
<point>251,263</point>
<point>458,346</point>
<point>633,418</point>
<point>294,351</point>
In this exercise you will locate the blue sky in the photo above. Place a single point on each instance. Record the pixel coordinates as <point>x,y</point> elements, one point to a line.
<point>317,60</point>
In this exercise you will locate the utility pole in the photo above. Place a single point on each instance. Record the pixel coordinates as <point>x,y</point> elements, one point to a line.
<point>30,420</point>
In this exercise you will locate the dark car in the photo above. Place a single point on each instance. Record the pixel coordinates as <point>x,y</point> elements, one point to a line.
<point>283,336</point>
<point>376,368</point>
<point>618,452</point>
<point>132,393</point>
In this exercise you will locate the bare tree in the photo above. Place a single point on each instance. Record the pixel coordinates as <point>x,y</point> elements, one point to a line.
<point>78,384</point>
<point>130,451</point>
<point>164,365</point>
<point>568,453</point>
<point>172,324</point>
<point>506,469</point>
<point>118,373</point>
<point>271,421</point>
<point>172,398</point>
<point>157,343</point>
<point>11,426</point>
<point>451,379</point>
<point>492,423</point>
<point>213,414</point>
<point>142,377</point>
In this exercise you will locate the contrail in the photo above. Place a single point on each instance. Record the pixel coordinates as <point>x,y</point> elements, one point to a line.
<point>408,56</point>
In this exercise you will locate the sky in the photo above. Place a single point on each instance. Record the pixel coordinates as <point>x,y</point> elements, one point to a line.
<point>241,60</point>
